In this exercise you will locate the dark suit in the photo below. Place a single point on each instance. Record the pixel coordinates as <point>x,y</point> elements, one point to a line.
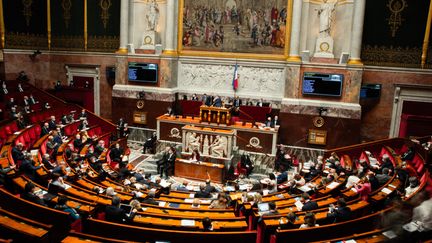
<point>217,102</point>
<point>374,183</point>
<point>82,115</point>
<point>169,165</point>
<point>150,201</point>
<point>209,188</point>
<point>340,214</point>
<point>268,123</point>
<point>52,125</point>
<point>116,214</point>
<point>64,120</point>
<point>202,194</point>
<point>310,205</point>
<point>237,102</point>
<point>115,154</point>
<point>44,131</point>
<point>17,155</point>
<point>29,169</point>
<point>33,198</point>
<point>78,144</point>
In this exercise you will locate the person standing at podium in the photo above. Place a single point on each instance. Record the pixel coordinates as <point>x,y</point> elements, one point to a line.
<point>217,101</point>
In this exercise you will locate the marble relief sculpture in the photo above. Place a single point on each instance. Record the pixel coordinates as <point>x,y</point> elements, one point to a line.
<point>219,146</point>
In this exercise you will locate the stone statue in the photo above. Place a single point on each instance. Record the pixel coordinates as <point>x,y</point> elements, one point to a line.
<point>152,15</point>
<point>219,146</point>
<point>326,15</point>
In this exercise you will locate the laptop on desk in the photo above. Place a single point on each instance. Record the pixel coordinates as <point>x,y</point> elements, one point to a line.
<point>263,207</point>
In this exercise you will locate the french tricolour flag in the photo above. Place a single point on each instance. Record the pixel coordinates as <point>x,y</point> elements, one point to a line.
<point>235,79</point>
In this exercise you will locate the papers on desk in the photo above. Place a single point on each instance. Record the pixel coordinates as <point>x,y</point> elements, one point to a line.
<point>299,205</point>
<point>162,204</point>
<point>391,185</point>
<point>192,195</point>
<point>386,190</point>
<point>188,200</point>
<point>164,184</point>
<point>229,189</point>
<point>205,201</point>
<point>66,186</point>
<point>412,226</point>
<point>354,190</point>
<point>265,192</point>
<point>34,152</point>
<point>187,222</point>
<point>245,187</point>
<point>389,234</point>
<point>304,188</point>
<point>280,196</point>
<point>333,185</point>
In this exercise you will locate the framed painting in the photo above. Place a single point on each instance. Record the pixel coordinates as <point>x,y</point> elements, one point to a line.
<point>234,28</point>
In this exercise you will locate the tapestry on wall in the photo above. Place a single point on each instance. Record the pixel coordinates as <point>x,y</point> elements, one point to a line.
<point>239,26</point>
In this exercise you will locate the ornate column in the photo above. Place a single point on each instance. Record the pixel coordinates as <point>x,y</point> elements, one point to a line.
<point>294,55</point>
<point>131,22</point>
<point>357,32</point>
<point>170,28</point>
<point>124,26</point>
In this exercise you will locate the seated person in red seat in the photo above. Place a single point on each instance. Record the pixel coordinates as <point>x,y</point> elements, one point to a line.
<point>84,125</point>
<point>100,148</point>
<point>77,143</point>
<point>52,124</point>
<point>17,153</point>
<point>82,115</point>
<point>116,153</point>
<point>45,129</point>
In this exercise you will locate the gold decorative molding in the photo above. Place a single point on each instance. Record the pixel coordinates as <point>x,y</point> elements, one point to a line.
<point>355,62</point>
<point>67,43</point>
<point>2,26</point>
<point>49,23</point>
<point>169,53</point>
<point>288,28</point>
<point>25,41</point>
<point>294,59</point>
<point>426,36</point>
<point>66,5</point>
<point>103,43</point>
<point>27,12</point>
<point>122,51</point>
<point>395,20</point>
<point>85,26</point>
<point>391,56</point>
<point>105,5</point>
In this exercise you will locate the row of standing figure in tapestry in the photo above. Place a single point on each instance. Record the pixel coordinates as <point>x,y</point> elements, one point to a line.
<point>265,27</point>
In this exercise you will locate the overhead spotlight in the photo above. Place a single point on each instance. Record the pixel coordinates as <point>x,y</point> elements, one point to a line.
<point>35,54</point>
